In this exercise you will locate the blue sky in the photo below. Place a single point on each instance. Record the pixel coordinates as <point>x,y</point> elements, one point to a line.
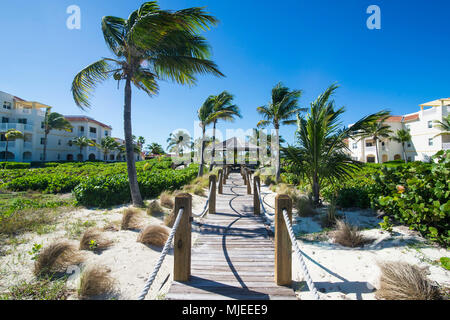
<point>305,44</point>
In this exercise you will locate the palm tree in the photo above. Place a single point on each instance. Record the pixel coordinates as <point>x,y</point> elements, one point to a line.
<point>206,115</point>
<point>178,142</point>
<point>140,141</point>
<point>443,125</point>
<point>54,121</point>
<point>281,110</point>
<point>108,144</point>
<point>11,134</point>
<point>151,45</point>
<point>83,142</point>
<point>226,111</point>
<point>261,139</point>
<point>402,136</point>
<point>155,148</point>
<point>376,130</point>
<point>321,154</point>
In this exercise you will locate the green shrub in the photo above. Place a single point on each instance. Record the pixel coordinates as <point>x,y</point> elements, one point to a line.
<point>14,165</point>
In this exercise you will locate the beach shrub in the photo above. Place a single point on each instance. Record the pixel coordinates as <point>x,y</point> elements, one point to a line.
<point>419,196</point>
<point>14,165</point>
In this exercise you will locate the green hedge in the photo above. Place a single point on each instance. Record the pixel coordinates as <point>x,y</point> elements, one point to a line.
<point>114,190</point>
<point>14,165</point>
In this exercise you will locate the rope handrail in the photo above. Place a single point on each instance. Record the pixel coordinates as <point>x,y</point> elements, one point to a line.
<point>164,252</point>
<point>266,214</point>
<point>205,209</point>
<point>299,255</point>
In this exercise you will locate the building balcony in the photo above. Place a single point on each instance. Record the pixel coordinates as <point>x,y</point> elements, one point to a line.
<point>92,135</point>
<point>370,149</point>
<point>18,126</point>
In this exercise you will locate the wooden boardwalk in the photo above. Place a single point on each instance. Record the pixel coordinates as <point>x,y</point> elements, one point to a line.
<point>233,257</point>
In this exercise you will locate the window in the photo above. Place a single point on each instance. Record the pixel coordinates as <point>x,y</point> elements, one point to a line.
<point>81,129</point>
<point>41,157</point>
<point>70,143</point>
<point>59,142</point>
<point>106,133</point>
<point>409,144</point>
<point>6,105</point>
<point>430,141</point>
<point>59,156</point>
<point>42,140</point>
<point>369,144</point>
<point>5,120</point>
<point>23,120</point>
<point>42,125</point>
<point>409,159</point>
<point>92,130</point>
<point>430,124</point>
<point>355,146</point>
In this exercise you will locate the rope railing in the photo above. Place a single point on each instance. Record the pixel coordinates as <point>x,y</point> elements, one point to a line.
<point>270,217</point>
<point>164,252</point>
<point>205,209</point>
<point>299,255</point>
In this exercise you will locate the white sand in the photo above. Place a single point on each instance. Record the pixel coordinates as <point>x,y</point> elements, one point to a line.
<point>352,273</point>
<point>130,262</point>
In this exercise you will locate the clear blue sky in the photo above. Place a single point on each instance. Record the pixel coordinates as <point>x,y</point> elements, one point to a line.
<point>305,44</point>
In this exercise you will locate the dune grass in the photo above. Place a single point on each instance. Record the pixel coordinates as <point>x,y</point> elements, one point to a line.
<point>155,235</point>
<point>95,281</point>
<point>56,258</point>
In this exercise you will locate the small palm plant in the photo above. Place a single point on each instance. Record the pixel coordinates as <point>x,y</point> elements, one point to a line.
<point>107,145</point>
<point>53,121</point>
<point>151,45</point>
<point>155,148</point>
<point>11,134</point>
<point>322,154</point>
<point>402,136</point>
<point>83,142</point>
<point>226,111</point>
<point>282,109</point>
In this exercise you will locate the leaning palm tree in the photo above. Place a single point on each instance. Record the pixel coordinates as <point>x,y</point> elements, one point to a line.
<point>444,126</point>
<point>107,145</point>
<point>376,130</point>
<point>282,109</point>
<point>402,136</point>
<point>83,142</point>
<point>321,153</point>
<point>11,134</point>
<point>54,121</point>
<point>228,112</point>
<point>151,45</point>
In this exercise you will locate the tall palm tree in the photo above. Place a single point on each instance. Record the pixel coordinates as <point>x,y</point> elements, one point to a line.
<point>155,148</point>
<point>443,125</point>
<point>140,141</point>
<point>261,139</point>
<point>108,144</point>
<point>376,130</point>
<point>11,134</point>
<point>83,142</point>
<point>228,111</point>
<point>321,154</point>
<point>179,142</point>
<point>282,109</point>
<point>402,136</point>
<point>207,115</point>
<point>53,121</point>
<point>151,45</point>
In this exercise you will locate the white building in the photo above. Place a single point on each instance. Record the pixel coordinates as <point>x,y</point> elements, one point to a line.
<point>424,140</point>
<point>28,117</point>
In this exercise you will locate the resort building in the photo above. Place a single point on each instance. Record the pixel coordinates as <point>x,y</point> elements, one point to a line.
<point>28,118</point>
<point>425,141</point>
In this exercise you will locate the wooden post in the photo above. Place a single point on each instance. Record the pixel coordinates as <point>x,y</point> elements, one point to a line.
<point>212,196</point>
<point>283,246</point>
<point>249,184</point>
<point>256,202</point>
<point>225,175</point>
<point>182,239</point>
<point>220,189</point>
<point>244,176</point>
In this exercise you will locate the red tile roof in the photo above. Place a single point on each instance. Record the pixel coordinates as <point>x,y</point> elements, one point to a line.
<point>84,118</point>
<point>412,117</point>
<point>394,119</point>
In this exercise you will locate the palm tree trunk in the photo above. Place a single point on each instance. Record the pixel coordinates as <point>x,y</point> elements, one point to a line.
<point>214,147</point>
<point>131,166</point>
<point>45,146</point>
<point>277,154</point>
<point>316,190</point>
<point>6,151</point>
<point>404,152</point>
<point>376,151</point>
<point>200,171</point>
